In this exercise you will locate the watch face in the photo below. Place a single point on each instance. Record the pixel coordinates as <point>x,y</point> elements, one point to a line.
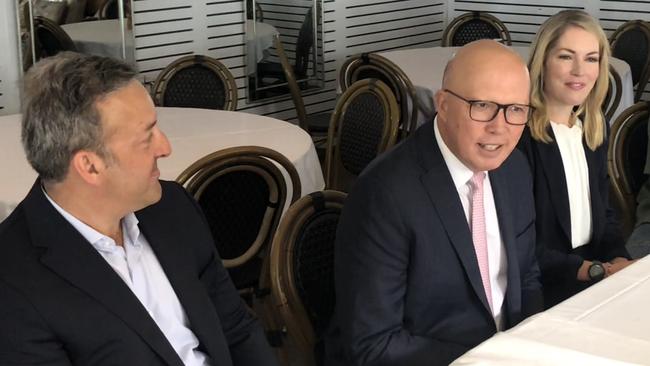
<point>596,271</point>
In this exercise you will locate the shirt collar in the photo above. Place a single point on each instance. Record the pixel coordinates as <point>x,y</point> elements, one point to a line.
<point>98,240</point>
<point>460,173</point>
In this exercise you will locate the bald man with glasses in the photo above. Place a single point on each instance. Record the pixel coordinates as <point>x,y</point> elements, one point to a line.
<point>435,248</point>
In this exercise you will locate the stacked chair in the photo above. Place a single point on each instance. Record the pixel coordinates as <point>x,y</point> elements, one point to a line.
<point>373,66</point>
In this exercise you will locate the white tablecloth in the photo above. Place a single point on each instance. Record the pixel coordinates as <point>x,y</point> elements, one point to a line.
<point>99,37</point>
<point>193,133</point>
<point>425,66</point>
<point>606,324</point>
<point>259,38</point>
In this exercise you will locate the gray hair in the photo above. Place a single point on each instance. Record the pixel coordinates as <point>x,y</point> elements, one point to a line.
<point>60,116</point>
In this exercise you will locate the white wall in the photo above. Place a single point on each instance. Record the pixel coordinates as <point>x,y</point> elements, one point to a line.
<point>9,61</point>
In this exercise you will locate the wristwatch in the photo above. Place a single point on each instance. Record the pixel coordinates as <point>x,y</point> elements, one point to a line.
<point>596,271</point>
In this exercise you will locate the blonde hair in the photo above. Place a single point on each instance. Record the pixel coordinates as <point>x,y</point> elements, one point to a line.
<point>545,40</point>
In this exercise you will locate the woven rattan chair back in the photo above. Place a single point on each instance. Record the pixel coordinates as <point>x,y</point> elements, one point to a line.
<point>626,157</point>
<point>302,273</point>
<point>365,123</point>
<point>196,81</point>
<point>373,66</point>
<point>50,38</point>
<point>474,26</point>
<point>631,43</point>
<point>242,192</point>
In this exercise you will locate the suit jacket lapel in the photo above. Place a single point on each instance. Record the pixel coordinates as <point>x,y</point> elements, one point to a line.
<point>70,256</point>
<point>506,227</point>
<point>174,258</point>
<point>440,187</point>
<point>554,172</point>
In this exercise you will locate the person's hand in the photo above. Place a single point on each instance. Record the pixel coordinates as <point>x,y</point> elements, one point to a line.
<point>583,271</point>
<point>617,264</point>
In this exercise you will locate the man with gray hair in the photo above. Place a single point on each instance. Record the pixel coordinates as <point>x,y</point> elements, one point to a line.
<point>102,263</point>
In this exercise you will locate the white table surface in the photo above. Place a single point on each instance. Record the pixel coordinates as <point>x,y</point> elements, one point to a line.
<point>259,38</point>
<point>99,37</point>
<point>425,66</point>
<point>606,324</point>
<point>193,133</point>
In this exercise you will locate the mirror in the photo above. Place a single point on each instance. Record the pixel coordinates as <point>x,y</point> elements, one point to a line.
<point>99,27</point>
<point>298,25</point>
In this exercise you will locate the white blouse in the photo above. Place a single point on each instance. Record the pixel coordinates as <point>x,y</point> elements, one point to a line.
<point>576,172</point>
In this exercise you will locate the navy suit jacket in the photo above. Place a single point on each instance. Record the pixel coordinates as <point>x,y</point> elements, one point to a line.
<point>558,261</point>
<point>62,304</point>
<point>408,286</point>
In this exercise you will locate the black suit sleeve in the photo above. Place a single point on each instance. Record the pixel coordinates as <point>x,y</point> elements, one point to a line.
<point>371,270</point>
<point>246,340</point>
<point>25,338</point>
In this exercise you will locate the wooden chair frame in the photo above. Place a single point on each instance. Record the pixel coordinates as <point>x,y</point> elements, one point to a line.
<point>405,94</point>
<point>286,307</point>
<point>336,176</point>
<point>623,195</point>
<point>160,85</point>
<point>456,23</point>
<point>645,71</point>
<point>259,160</point>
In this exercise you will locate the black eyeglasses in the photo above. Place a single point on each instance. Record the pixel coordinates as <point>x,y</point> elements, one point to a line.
<point>485,110</point>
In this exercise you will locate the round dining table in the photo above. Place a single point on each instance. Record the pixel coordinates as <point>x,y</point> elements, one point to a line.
<point>193,133</point>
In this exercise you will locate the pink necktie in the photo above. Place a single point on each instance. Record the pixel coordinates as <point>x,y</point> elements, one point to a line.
<point>478,232</point>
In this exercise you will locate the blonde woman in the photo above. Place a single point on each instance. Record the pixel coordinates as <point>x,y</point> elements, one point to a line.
<point>578,239</point>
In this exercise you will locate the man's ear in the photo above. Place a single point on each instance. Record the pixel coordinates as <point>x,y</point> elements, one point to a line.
<point>440,101</point>
<point>88,166</point>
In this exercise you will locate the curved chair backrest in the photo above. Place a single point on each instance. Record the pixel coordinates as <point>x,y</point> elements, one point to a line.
<point>631,43</point>
<point>196,81</point>
<point>626,157</point>
<point>474,26</point>
<point>109,10</point>
<point>614,94</point>
<point>302,271</point>
<point>242,192</point>
<point>50,38</point>
<point>365,123</point>
<point>373,66</point>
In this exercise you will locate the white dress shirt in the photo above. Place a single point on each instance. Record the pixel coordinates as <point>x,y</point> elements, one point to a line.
<point>498,263</point>
<point>137,265</point>
<point>569,140</point>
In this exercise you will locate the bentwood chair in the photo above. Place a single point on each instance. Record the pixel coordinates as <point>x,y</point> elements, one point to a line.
<point>474,26</point>
<point>373,66</point>
<point>365,123</point>
<point>628,144</point>
<point>196,81</point>
<point>631,43</point>
<point>50,38</point>
<point>302,277</point>
<point>242,192</point>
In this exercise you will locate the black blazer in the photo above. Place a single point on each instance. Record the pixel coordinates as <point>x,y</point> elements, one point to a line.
<point>408,286</point>
<point>62,304</point>
<point>558,261</point>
